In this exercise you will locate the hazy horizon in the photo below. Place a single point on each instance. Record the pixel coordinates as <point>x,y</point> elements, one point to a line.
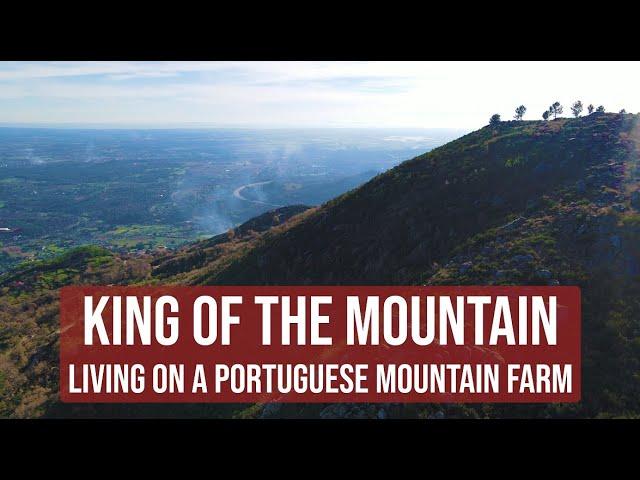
<point>252,95</point>
<point>205,126</point>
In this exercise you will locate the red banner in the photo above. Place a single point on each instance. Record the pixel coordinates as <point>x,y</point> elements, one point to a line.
<point>320,344</point>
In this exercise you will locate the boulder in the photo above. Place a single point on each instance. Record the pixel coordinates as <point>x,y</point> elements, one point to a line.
<point>546,274</point>
<point>514,224</point>
<point>465,267</point>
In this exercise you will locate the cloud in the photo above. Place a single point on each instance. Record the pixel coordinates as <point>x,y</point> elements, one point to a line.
<point>386,94</point>
<point>38,70</point>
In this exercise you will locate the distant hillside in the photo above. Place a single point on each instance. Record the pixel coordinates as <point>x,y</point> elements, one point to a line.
<point>207,251</point>
<point>554,202</point>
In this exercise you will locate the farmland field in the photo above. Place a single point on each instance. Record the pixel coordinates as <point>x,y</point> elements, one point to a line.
<point>144,189</point>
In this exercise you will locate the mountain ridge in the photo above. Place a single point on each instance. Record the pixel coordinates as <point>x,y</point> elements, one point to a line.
<point>408,220</point>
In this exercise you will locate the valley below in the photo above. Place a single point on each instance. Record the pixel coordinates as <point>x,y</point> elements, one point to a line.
<point>140,190</point>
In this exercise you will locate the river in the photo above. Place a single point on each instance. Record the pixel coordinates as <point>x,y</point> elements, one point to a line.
<point>238,193</point>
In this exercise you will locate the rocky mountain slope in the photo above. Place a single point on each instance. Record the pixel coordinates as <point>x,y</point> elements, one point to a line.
<point>523,202</point>
<point>551,203</point>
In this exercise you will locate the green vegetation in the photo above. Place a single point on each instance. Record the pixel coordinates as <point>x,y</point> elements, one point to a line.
<point>514,162</point>
<point>631,220</point>
<point>9,181</point>
<point>29,321</point>
<point>555,109</point>
<point>143,237</point>
<point>576,108</point>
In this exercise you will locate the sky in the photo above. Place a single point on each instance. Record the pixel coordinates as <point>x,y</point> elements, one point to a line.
<point>304,94</point>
